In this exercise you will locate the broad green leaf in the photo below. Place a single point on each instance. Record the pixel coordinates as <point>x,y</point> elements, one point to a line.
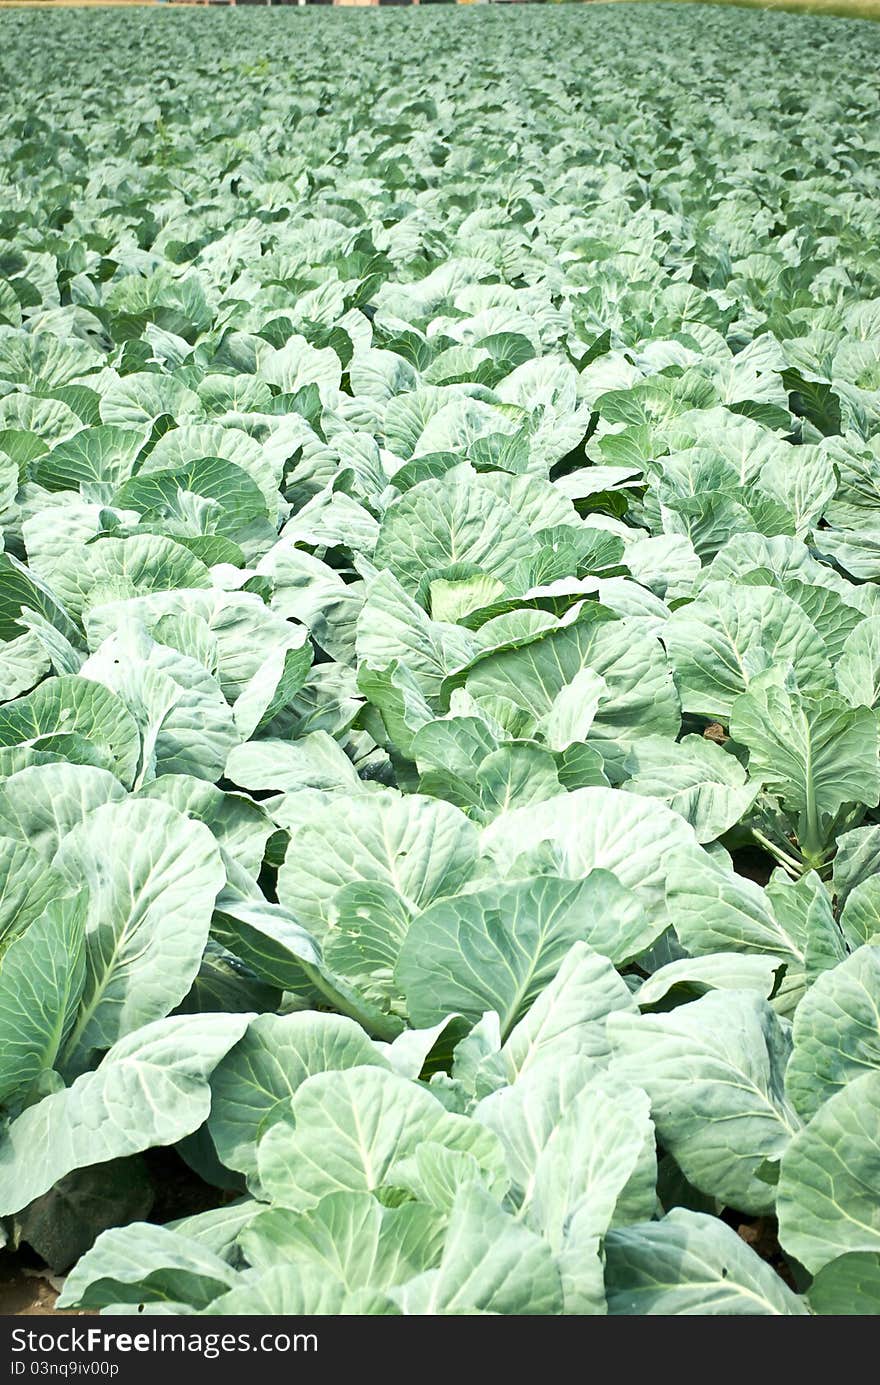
<point>418,846</point>
<point>19,590</point>
<point>27,885</point>
<point>860,917</point>
<point>94,462</point>
<point>235,498</point>
<point>714,1072</point>
<point>292,1291</point>
<point>836,1032</point>
<point>816,753</point>
<point>803,479</point>
<point>239,826</point>
<point>350,1238</point>
<point>691,1264</point>
<point>314,761</point>
<point>273,687</point>
<point>826,1200</point>
<point>858,668</point>
<point>137,400</point>
<point>857,860</point>
<point>497,948</point>
<point>491,1263</point>
<point>719,643</point>
<point>151,1089</point>
<point>568,1018</point>
<point>152,876</point>
<point>186,725</point>
<point>435,1175</point>
<point>437,524</point>
<point>574,710</point>
<point>146,1264</point>
<point>804,909</point>
<point>717,971</point>
<point>118,569</point>
<point>368,924</point>
<point>77,719</point>
<point>639,697</point>
<point>633,837</point>
<point>847,1286</point>
<point>572,1146</point>
<point>695,778</point>
<point>41,804</point>
<point>219,1228</point>
<point>252,1086</point>
<point>277,949</point>
<point>42,975</point>
<point>393,628</point>
<point>349,1127</point>
<point>716,910</point>
<point>526,1115</point>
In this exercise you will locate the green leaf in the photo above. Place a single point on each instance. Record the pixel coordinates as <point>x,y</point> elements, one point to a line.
<point>19,589</point>
<point>94,462</point>
<point>240,827</point>
<point>418,846</point>
<point>858,668</point>
<point>146,1264</point>
<point>152,876</point>
<point>691,1264</point>
<point>393,629</point>
<point>722,641</point>
<point>826,1200</point>
<point>714,1072</point>
<point>695,778</point>
<point>633,837</point>
<point>41,804</point>
<point>294,1291</point>
<point>437,524</point>
<point>237,499</point>
<point>498,948</point>
<point>848,1286</point>
<point>252,1086</point>
<point>27,886</point>
<point>349,1127</point>
<point>151,1089</point>
<point>568,1018</point>
<point>350,1238</point>
<point>491,1263</point>
<point>41,981</point>
<point>77,719</point>
<point>716,910</point>
<point>836,1032</point>
<point>186,725</point>
<point>717,971</point>
<point>816,753</point>
<point>860,917</point>
<point>639,697</point>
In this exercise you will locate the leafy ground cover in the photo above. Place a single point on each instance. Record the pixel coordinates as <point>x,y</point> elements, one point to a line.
<point>849,9</point>
<point>441,656</point>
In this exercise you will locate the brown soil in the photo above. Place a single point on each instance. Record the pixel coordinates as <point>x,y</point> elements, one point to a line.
<point>25,1291</point>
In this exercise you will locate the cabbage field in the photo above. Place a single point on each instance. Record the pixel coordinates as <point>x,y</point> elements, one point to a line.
<point>440,746</point>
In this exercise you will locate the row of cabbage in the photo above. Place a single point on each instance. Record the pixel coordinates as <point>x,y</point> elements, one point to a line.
<point>441,513</point>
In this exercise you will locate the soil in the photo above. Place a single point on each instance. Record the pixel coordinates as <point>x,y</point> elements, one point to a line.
<point>28,1287</point>
<point>753,863</point>
<point>27,1290</point>
<point>761,1233</point>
